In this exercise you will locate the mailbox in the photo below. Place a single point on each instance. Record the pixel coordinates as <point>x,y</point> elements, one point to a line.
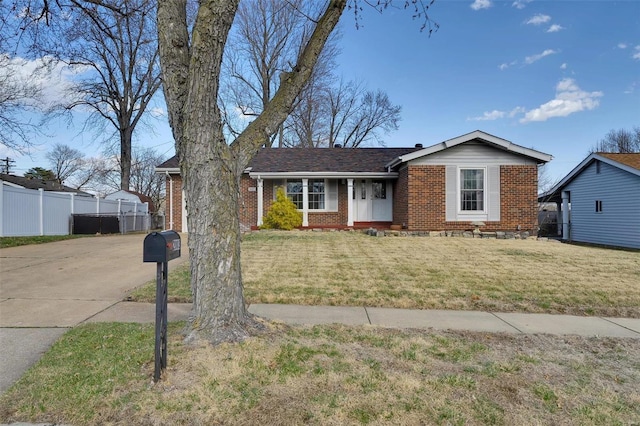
<point>161,247</point>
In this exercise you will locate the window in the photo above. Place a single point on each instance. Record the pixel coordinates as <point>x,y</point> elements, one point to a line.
<point>598,167</point>
<point>472,189</point>
<point>316,188</point>
<point>379,189</point>
<point>294,192</point>
<point>316,194</point>
<point>598,206</point>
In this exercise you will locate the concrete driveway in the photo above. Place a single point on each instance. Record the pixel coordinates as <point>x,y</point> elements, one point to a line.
<point>47,288</point>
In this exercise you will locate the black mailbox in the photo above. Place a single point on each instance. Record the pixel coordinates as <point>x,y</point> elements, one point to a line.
<point>161,246</point>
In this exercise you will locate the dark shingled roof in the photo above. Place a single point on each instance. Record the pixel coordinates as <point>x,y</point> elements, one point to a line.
<point>35,183</point>
<point>341,160</point>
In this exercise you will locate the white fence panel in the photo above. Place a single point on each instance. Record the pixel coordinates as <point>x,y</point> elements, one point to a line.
<point>28,212</point>
<point>20,212</point>
<point>56,213</point>
<point>84,205</point>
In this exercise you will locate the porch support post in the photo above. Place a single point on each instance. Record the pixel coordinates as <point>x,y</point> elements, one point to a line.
<point>565,215</point>
<point>305,202</point>
<point>260,201</point>
<point>349,202</point>
<point>559,212</point>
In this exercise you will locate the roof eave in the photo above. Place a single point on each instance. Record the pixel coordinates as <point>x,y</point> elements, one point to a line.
<point>335,175</point>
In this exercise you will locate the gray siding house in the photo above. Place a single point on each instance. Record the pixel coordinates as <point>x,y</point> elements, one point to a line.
<point>599,201</point>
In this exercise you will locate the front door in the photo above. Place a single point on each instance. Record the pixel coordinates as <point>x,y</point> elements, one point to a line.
<point>362,200</point>
<point>372,200</point>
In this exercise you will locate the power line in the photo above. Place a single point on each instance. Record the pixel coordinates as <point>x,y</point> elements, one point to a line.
<point>6,164</point>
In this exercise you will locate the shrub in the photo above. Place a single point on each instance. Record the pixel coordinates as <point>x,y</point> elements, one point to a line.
<point>283,214</point>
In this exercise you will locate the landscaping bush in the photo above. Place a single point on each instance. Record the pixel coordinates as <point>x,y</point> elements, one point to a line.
<point>283,214</point>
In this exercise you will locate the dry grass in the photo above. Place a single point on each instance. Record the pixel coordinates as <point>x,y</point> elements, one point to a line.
<point>334,375</point>
<point>343,268</point>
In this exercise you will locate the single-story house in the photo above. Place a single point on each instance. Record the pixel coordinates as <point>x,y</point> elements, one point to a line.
<point>599,200</point>
<point>476,177</point>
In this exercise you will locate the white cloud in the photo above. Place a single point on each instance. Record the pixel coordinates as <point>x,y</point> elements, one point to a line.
<point>481,4</point>
<point>622,45</point>
<point>563,66</point>
<point>54,79</point>
<point>516,111</point>
<point>569,99</point>
<point>636,54</point>
<point>533,58</point>
<point>489,116</point>
<point>503,67</point>
<point>497,114</point>
<point>538,19</point>
<point>555,28</point>
<point>520,4</point>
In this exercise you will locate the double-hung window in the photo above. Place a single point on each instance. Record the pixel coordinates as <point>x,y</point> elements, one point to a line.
<point>316,194</point>
<point>472,190</point>
<point>294,192</point>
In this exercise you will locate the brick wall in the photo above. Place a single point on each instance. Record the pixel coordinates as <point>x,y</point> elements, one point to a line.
<point>175,202</point>
<point>248,201</point>
<point>400,198</point>
<point>425,200</point>
<point>519,198</point>
<point>426,197</point>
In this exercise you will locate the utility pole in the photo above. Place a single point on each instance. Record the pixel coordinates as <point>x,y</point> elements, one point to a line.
<point>6,164</point>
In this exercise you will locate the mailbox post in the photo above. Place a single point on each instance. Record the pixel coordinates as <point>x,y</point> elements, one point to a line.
<point>161,247</point>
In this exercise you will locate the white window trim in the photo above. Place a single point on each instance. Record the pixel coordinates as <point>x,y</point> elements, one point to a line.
<point>469,214</point>
<point>326,196</point>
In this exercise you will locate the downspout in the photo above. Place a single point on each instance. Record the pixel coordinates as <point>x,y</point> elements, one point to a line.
<point>170,199</point>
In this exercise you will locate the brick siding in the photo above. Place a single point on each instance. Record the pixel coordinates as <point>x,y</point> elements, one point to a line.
<point>419,201</point>
<point>175,202</point>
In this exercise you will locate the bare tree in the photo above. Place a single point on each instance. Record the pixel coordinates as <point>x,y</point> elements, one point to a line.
<point>144,178</point>
<point>114,44</point>
<point>620,141</point>
<point>65,161</point>
<point>18,95</point>
<point>263,44</point>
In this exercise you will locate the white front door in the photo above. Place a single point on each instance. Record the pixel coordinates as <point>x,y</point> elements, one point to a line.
<point>362,200</point>
<point>372,200</point>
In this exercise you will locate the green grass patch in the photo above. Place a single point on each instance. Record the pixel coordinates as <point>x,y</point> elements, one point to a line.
<point>101,374</point>
<point>6,242</point>
<point>178,291</point>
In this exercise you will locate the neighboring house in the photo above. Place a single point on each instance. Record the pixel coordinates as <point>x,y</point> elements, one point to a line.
<point>34,183</point>
<point>475,177</point>
<point>132,197</point>
<point>599,200</point>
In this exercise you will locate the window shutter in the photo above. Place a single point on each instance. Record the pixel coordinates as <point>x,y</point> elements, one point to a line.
<point>493,182</point>
<point>332,195</point>
<point>452,193</point>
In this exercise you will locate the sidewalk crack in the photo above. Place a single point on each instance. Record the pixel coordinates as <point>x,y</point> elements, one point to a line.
<point>367,313</point>
<point>506,322</point>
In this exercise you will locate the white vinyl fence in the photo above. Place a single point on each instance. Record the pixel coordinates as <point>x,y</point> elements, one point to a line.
<point>30,212</point>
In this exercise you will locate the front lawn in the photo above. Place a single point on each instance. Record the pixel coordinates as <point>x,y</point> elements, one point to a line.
<point>353,269</point>
<point>101,374</point>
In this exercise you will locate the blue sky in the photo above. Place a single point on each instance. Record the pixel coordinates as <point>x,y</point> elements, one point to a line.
<point>555,76</point>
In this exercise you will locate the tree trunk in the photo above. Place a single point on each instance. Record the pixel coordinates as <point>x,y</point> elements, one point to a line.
<point>211,169</point>
<point>125,158</point>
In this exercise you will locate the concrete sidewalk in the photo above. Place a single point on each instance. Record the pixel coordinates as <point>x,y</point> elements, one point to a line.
<point>401,318</point>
